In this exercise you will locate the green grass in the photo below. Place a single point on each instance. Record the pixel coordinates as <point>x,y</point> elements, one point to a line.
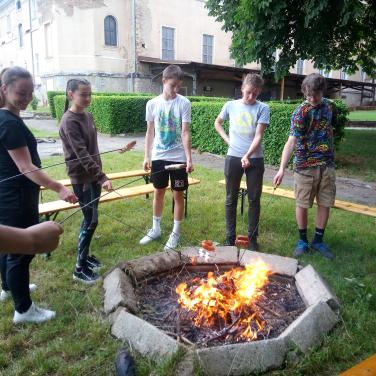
<point>44,134</point>
<point>78,341</point>
<point>363,115</point>
<point>356,155</point>
<point>40,109</point>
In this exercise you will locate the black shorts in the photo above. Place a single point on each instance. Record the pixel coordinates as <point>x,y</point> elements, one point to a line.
<point>160,176</point>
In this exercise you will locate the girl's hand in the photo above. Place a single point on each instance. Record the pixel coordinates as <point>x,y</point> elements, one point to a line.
<point>245,162</point>
<point>147,164</point>
<point>67,195</point>
<point>107,185</point>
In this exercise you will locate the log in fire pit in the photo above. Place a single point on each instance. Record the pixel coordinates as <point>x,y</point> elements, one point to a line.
<point>237,312</point>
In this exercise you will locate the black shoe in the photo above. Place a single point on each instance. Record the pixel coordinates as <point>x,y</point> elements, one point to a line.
<point>86,276</point>
<point>92,262</point>
<point>230,240</point>
<point>253,245</point>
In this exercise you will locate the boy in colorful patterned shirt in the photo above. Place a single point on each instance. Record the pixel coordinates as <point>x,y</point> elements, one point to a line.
<point>168,141</point>
<point>311,137</point>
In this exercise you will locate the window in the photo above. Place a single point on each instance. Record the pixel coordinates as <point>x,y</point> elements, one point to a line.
<point>20,35</point>
<point>344,75</point>
<point>110,31</point>
<point>33,9</point>
<point>207,49</point>
<point>300,66</point>
<point>325,73</point>
<point>168,43</point>
<point>362,75</point>
<point>9,24</point>
<point>18,4</point>
<point>48,40</point>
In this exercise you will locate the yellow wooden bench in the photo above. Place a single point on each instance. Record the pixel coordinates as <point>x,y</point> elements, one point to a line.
<point>365,368</point>
<point>287,193</point>
<point>51,209</point>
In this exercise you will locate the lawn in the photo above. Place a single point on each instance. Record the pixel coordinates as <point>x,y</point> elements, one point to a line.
<point>363,115</point>
<point>78,341</point>
<point>44,134</point>
<point>356,154</point>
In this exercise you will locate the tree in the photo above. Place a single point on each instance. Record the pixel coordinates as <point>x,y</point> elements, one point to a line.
<point>335,34</point>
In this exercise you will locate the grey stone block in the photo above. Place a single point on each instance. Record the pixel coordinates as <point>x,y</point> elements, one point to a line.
<point>145,338</point>
<point>309,329</point>
<point>186,366</point>
<point>277,264</point>
<point>312,288</point>
<point>243,358</point>
<point>118,291</point>
<point>221,255</point>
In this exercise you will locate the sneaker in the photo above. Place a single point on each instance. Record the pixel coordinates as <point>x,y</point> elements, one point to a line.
<point>253,245</point>
<point>5,294</point>
<point>230,240</point>
<point>323,249</point>
<point>86,276</point>
<point>33,314</point>
<point>150,236</point>
<point>93,263</point>
<point>301,248</point>
<point>172,242</point>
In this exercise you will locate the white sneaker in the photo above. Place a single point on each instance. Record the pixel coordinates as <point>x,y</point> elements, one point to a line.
<point>151,235</point>
<point>172,242</point>
<point>4,294</point>
<point>33,314</point>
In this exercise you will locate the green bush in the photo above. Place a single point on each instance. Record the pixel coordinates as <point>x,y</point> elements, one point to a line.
<point>51,101</point>
<point>34,103</point>
<point>198,98</point>
<point>113,114</point>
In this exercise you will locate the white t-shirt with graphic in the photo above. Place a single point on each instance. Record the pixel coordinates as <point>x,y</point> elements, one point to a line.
<point>243,122</point>
<point>168,116</point>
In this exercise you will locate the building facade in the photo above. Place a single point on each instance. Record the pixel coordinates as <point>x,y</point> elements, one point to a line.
<point>124,46</point>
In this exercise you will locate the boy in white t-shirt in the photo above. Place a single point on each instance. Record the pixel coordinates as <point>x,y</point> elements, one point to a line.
<point>248,120</point>
<point>168,141</point>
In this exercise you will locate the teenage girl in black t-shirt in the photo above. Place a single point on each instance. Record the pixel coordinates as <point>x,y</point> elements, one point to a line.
<point>19,196</point>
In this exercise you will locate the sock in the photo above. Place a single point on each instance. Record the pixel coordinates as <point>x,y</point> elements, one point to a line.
<point>319,234</point>
<point>156,223</point>
<point>303,235</point>
<point>176,228</point>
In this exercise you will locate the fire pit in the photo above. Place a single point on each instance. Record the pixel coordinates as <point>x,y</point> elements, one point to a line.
<point>237,312</point>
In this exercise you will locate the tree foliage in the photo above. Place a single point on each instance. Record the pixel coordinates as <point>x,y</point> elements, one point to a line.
<point>335,34</point>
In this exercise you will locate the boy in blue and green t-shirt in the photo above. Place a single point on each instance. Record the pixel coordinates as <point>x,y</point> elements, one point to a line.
<point>311,137</point>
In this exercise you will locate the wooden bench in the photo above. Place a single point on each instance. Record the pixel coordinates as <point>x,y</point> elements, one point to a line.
<point>51,209</point>
<point>288,193</point>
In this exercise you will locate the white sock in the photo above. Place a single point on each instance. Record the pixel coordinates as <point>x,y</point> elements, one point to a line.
<point>157,223</point>
<point>176,228</point>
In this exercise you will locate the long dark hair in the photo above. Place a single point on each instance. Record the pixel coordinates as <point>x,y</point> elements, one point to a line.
<point>72,85</point>
<point>8,76</point>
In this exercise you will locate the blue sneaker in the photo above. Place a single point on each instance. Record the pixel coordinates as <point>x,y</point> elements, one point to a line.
<point>323,249</point>
<point>301,248</point>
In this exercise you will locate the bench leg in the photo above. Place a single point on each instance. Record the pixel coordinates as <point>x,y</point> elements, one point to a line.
<point>147,181</point>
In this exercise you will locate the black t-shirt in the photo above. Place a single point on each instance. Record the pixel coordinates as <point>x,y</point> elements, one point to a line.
<point>15,134</point>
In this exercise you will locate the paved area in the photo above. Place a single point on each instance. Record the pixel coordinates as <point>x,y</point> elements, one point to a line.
<point>352,190</point>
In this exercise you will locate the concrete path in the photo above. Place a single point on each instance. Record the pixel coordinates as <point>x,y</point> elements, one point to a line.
<point>352,190</point>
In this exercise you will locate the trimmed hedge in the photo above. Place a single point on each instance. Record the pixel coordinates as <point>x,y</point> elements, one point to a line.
<point>52,94</point>
<point>113,114</point>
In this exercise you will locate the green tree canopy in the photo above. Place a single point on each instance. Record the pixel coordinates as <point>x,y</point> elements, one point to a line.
<point>335,34</point>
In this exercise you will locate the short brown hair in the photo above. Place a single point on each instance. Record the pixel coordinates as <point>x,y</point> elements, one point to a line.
<point>173,71</point>
<point>314,82</point>
<point>254,80</point>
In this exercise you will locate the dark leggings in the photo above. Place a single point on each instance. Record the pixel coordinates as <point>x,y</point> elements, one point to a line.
<point>18,208</point>
<point>87,193</point>
<point>254,178</point>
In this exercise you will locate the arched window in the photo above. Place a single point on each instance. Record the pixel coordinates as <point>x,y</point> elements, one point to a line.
<point>110,31</point>
<point>20,35</point>
<point>18,4</point>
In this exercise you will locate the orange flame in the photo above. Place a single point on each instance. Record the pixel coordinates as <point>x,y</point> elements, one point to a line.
<point>227,300</point>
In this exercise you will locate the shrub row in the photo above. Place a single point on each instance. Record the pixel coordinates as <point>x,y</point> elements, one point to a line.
<point>126,114</point>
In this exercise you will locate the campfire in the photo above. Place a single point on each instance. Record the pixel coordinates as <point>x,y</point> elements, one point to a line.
<point>227,301</point>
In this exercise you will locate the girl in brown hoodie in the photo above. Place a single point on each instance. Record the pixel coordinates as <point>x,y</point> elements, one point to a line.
<point>84,167</point>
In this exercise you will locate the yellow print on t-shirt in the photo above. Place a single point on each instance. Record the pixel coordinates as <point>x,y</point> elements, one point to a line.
<point>243,123</point>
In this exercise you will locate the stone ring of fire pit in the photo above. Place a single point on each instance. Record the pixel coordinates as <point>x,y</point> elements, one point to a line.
<point>307,331</point>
